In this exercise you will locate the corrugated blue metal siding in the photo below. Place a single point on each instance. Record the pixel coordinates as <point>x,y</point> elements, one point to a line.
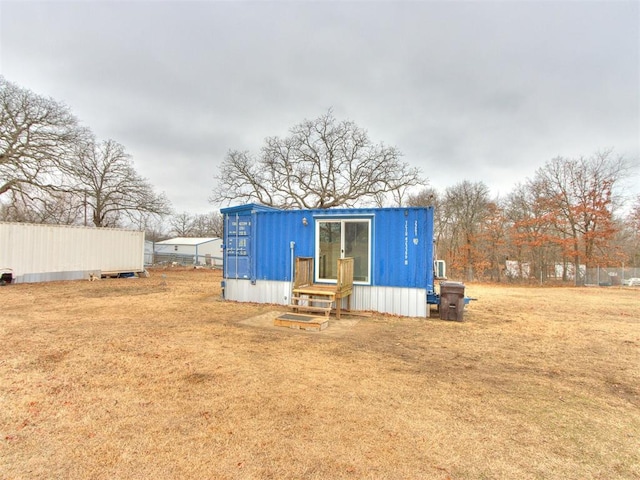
<point>237,246</point>
<point>403,247</point>
<point>274,233</point>
<point>402,243</point>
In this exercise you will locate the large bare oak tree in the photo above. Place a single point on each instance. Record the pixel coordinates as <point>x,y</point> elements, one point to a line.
<point>53,171</point>
<point>323,163</point>
<point>37,136</point>
<point>110,187</point>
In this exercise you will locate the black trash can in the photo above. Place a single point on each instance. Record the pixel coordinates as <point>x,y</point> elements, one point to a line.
<point>451,301</point>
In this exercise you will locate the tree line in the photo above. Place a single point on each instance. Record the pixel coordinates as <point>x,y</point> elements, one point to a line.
<point>54,170</point>
<point>566,218</point>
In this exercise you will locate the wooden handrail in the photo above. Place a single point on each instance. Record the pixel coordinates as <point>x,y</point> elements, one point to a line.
<point>345,273</point>
<point>303,272</point>
<point>303,284</point>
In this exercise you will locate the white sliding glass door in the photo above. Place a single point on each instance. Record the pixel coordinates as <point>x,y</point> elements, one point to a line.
<point>343,238</point>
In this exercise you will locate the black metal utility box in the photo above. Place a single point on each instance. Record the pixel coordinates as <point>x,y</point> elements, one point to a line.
<point>451,301</point>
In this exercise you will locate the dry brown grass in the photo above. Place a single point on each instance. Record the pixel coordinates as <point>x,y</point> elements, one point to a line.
<point>145,379</point>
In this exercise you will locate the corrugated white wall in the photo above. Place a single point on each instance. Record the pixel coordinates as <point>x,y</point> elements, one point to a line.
<point>409,302</point>
<point>53,252</point>
<point>263,291</point>
<point>213,248</point>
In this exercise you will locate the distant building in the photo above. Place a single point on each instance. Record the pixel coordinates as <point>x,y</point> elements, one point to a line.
<point>556,271</point>
<point>515,269</point>
<point>189,251</point>
<point>148,252</point>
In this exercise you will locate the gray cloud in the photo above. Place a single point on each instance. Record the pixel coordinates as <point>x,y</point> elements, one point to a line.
<point>467,90</point>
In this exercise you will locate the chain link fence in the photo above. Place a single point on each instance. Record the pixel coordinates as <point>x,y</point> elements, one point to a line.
<point>516,272</point>
<point>611,276</point>
<point>186,260</point>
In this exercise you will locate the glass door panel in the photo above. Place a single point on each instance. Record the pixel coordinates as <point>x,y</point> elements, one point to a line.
<point>330,240</point>
<point>356,245</point>
<point>339,239</point>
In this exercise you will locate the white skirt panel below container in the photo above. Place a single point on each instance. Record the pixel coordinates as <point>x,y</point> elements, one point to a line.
<point>408,302</point>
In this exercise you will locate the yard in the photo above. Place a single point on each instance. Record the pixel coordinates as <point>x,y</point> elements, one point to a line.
<point>159,378</point>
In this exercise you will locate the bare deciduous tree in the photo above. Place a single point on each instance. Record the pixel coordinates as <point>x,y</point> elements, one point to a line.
<point>110,187</point>
<point>208,225</point>
<point>31,205</point>
<point>152,224</point>
<point>37,136</point>
<point>429,197</point>
<point>182,224</point>
<point>203,225</point>
<point>634,215</point>
<point>323,163</point>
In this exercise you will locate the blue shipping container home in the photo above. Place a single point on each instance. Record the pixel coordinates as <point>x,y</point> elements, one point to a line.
<point>392,248</point>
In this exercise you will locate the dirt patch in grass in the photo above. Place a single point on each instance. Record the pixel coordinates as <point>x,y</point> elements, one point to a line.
<point>158,377</point>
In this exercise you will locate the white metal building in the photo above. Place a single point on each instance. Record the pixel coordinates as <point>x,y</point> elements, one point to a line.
<point>190,251</point>
<point>148,252</point>
<point>39,253</point>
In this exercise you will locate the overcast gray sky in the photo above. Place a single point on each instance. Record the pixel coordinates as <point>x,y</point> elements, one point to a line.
<point>480,91</point>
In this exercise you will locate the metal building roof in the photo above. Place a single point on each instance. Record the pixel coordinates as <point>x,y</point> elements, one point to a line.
<point>187,241</point>
<point>247,208</point>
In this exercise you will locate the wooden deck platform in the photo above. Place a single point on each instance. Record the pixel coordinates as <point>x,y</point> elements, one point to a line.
<point>310,296</point>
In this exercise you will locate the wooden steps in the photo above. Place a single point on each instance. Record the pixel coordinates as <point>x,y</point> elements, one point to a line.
<point>302,322</point>
<point>320,297</point>
<point>313,304</point>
